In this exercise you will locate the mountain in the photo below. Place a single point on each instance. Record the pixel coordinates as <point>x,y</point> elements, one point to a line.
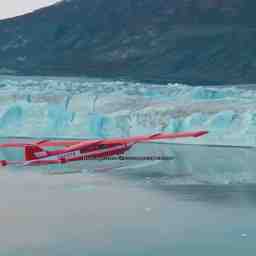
<point>189,41</point>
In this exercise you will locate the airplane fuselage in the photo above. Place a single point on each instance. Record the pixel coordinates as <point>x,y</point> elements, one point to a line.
<point>83,152</point>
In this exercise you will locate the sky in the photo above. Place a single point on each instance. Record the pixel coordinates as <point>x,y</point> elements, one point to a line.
<point>12,8</point>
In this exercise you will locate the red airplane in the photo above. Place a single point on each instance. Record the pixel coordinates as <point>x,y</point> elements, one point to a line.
<point>38,153</point>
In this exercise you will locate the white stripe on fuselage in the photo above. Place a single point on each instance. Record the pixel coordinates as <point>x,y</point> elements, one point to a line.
<point>77,153</point>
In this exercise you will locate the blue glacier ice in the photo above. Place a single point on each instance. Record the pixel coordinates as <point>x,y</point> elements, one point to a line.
<point>81,107</point>
<point>59,117</point>
<point>194,121</point>
<point>11,118</point>
<point>222,120</point>
<point>98,125</point>
<point>174,125</point>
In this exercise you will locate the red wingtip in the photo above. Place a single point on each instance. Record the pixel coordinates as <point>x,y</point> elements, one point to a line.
<point>200,133</point>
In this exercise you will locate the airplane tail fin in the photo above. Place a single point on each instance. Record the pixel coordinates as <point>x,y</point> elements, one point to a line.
<point>34,152</point>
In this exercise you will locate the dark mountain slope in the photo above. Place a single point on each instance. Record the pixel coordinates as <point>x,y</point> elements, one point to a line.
<point>191,41</point>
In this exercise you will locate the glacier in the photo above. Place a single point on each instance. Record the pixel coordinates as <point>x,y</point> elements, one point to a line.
<point>96,108</point>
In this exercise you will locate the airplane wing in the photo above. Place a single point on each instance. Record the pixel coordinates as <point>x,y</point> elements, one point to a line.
<point>135,139</point>
<point>76,144</point>
<point>13,145</point>
<point>131,140</point>
<point>157,136</point>
<point>58,143</point>
<point>44,143</point>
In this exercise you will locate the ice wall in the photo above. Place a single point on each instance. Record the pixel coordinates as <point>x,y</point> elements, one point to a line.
<point>98,108</point>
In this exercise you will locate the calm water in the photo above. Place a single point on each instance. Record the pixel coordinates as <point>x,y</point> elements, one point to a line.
<point>101,214</point>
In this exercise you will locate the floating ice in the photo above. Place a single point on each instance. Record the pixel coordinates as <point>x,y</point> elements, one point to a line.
<point>148,209</point>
